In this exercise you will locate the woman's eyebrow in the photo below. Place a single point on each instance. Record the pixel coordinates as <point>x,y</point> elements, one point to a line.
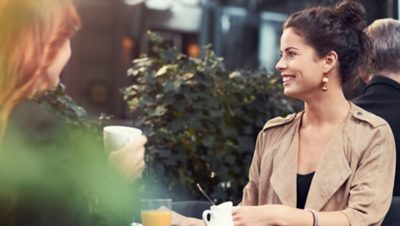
<point>289,48</point>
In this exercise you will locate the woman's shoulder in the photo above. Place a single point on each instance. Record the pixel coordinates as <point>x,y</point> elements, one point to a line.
<point>30,114</point>
<point>34,123</point>
<point>366,130</point>
<point>278,127</point>
<point>365,117</point>
<point>281,121</point>
<point>29,110</point>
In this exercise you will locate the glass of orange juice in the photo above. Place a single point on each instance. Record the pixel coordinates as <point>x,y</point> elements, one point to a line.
<point>156,212</point>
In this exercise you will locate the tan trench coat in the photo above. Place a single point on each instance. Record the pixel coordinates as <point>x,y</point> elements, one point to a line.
<point>355,174</point>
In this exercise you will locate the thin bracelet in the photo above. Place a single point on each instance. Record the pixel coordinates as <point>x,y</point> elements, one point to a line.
<point>314,215</point>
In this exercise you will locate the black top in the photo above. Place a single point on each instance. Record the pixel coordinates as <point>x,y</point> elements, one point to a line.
<point>382,97</point>
<point>303,186</point>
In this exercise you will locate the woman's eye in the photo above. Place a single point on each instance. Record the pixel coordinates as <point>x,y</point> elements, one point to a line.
<point>291,54</point>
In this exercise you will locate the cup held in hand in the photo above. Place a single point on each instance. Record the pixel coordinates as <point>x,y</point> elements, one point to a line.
<point>115,137</point>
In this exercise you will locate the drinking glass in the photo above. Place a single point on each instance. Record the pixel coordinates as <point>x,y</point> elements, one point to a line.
<point>156,212</point>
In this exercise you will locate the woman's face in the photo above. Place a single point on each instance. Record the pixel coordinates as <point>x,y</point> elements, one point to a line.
<point>59,62</point>
<point>301,69</point>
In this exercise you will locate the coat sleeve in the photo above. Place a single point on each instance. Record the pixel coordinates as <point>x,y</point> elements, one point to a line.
<point>372,186</point>
<point>251,191</point>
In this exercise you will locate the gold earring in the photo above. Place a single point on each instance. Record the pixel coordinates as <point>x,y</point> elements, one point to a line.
<point>325,81</point>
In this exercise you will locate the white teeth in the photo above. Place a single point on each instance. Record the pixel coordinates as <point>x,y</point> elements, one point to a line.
<point>287,78</point>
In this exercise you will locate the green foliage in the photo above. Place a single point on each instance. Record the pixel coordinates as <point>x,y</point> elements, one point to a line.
<point>201,120</point>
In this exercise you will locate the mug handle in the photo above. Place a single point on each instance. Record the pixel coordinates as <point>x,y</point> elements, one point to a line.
<point>205,214</point>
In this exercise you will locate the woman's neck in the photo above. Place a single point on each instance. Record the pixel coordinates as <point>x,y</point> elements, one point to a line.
<point>330,109</point>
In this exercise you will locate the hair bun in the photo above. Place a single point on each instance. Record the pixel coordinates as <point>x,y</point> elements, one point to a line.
<point>352,13</point>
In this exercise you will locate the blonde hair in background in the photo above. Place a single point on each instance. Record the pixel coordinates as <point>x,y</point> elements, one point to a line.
<point>385,37</point>
<point>32,32</point>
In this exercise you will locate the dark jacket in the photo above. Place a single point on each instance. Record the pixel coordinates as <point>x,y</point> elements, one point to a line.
<point>382,97</point>
<point>55,174</point>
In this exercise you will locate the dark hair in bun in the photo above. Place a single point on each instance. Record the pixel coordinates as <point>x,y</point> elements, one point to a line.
<point>338,28</point>
<point>352,14</point>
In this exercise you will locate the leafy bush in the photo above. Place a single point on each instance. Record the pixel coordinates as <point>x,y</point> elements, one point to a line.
<point>201,120</point>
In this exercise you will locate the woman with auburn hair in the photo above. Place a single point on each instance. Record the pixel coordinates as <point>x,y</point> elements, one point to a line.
<point>36,150</point>
<point>34,47</point>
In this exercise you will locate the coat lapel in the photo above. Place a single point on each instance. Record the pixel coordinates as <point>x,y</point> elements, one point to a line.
<point>332,171</point>
<point>283,178</point>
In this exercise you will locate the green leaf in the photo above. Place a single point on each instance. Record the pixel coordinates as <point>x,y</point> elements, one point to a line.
<point>159,111</point>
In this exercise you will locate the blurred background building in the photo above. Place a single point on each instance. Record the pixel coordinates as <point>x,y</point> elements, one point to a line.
<point>244,32</point>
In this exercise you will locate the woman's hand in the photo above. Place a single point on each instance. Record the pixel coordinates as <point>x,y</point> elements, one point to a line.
<point>269,215</point>
<point>180,220</point>
<point>252,216</point>
<point>129,160</point>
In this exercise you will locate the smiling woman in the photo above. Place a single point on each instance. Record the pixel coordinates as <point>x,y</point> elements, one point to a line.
<point>325,165</point>
<point>328,180</point>
<point>301,67</point>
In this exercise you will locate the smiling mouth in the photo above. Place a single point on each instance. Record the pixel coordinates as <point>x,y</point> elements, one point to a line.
<point>287,78</point>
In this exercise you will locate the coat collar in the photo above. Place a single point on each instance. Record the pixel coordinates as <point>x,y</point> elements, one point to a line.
<point>381,80</point>
<point>283,178</point>
<point>332,171</point>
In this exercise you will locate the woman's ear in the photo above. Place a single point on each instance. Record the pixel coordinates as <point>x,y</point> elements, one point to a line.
<point>331,61</point>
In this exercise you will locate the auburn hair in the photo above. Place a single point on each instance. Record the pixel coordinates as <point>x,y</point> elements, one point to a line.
<point>32,33</point>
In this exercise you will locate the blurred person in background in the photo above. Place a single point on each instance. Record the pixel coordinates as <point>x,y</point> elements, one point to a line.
<point>327,164</point>
<point>49,173</point>
<point>381,95</point>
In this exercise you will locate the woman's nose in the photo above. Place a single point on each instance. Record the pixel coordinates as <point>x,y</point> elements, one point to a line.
<point>281,64</point>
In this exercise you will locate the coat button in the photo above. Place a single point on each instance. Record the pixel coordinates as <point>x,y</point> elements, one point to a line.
<point>359,113</point>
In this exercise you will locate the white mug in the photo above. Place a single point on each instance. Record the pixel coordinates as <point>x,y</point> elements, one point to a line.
<point>220,215</point>
<point>115,137</point>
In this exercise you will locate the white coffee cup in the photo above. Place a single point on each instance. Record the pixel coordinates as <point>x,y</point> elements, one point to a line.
<point>115,137</point>
<point>220,215</point>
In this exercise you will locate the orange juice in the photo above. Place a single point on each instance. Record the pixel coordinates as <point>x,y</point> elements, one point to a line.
<point>156,217</point>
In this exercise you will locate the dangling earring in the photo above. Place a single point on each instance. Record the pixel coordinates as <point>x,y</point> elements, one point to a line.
<point>325,81</point>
